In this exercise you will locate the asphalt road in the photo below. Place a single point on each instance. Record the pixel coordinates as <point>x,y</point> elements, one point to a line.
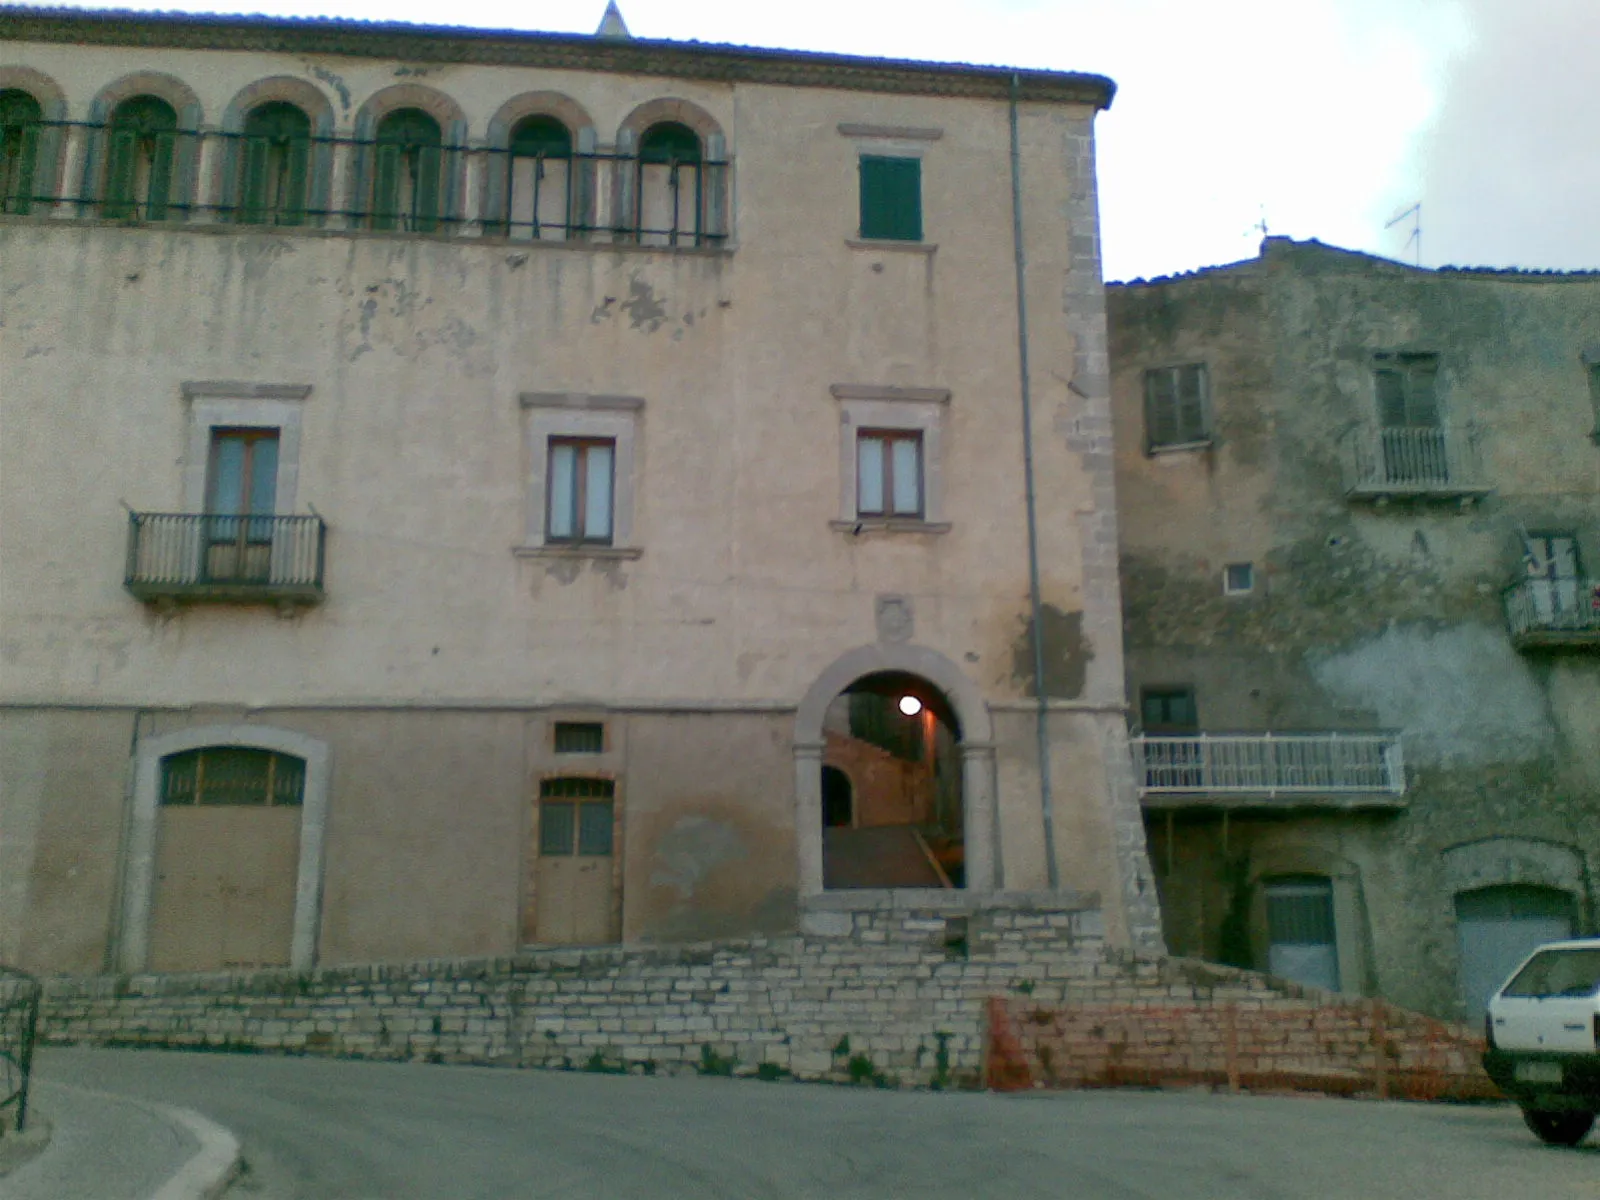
<point>316,1130</point>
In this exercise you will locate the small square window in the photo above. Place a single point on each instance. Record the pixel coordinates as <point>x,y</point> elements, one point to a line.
<point>581,477</point>
<point>889,473</point>
<point>1175,406</point>
<point>1168,710</point>
<point>580,737</point>
<point>891,198</point>
<point>1238,578</point>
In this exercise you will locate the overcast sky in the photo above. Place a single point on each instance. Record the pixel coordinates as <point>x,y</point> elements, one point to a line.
<point>1324,118</point>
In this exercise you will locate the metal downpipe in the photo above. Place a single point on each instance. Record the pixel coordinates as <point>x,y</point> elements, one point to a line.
<point>1046,796</point>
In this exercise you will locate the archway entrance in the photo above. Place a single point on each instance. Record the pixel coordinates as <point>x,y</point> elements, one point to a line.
<point>892,805</point>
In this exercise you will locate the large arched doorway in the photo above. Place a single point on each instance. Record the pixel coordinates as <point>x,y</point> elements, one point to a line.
<point>893,736</point>
<point>940,756</point>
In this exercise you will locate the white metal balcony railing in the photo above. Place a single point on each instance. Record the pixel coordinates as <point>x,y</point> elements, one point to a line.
<point>1270,764</point>
<point>1413,461</point>
<point>1554,611</point>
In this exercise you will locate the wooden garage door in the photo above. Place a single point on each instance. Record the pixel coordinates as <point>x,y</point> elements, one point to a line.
<point>227,859</point>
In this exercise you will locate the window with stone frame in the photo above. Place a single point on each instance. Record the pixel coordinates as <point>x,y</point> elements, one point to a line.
<point>1176,407</point>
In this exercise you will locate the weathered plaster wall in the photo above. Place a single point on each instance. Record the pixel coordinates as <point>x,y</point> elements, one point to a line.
<point>1363,616</point>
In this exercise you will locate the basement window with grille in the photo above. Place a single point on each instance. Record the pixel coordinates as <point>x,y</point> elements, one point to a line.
<point>580,737</point>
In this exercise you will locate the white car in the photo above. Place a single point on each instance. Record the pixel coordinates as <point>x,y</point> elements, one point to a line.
<point>1543,1032</point>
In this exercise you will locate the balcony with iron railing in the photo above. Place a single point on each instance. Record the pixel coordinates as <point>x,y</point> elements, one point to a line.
<point>174,178</point>
<point>207,557</point>
<point>1417,462</point>
<point>1558,613</point>
<point>1204,769</point>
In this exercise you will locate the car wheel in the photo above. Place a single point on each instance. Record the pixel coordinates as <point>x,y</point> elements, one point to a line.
<point>1558,1128</point>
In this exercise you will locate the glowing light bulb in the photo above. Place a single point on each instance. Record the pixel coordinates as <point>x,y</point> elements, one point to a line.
<point>910,705</point>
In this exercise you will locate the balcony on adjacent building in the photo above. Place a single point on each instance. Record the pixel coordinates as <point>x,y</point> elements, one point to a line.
<point>1554,613</point>
<point>1413,462</point>
<point>1342,770</point>
<point>208,557</point>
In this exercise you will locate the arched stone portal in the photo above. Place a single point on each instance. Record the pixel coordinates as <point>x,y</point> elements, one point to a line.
<point>944,685</point>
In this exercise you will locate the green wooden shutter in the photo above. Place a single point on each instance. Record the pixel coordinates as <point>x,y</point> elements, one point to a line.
<point>296,179</point>
<point>1160,408</point>
<point>891,198</point>
<point>1422,405</point>
<point>386,185</point>
<point>425,199</point>
<point>20,193</point>
<point>253,184</point>
<point>1191,406</point>
<point>1391,389</point>
<point>163,148</point>
<point>121,161</point>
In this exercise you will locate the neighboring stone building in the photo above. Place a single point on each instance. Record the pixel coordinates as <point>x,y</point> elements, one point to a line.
<point>1357,503</point>
<point>448,476</point>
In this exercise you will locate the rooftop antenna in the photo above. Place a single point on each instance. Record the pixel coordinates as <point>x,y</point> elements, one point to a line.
<point>1261,225</point>
<point>1415,213</point>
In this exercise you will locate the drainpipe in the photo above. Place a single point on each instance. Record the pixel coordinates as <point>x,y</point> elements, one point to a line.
<point>1046,801</point>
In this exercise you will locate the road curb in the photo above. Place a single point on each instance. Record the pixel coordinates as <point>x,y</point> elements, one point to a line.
<point>206,1175</point>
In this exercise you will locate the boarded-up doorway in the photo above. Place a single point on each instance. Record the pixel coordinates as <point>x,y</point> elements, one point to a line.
<point>575,876</point>
<point>227,859</point>
<point>1497,927</point>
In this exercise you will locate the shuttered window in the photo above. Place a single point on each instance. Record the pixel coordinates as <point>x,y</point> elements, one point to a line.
<point>889,474</point>
<point>20,117</point>
<point>274,166</point>
<point>1175,406</point>
<point>141,153</point>
<point>581,479</point>
<point>891,198</point>
<point>408,172</point>
<point>1406,390</point>
<point>580,737</point>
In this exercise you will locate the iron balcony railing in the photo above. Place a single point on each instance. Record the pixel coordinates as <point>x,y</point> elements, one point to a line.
<point>19,1027</point>
<point>328,182</point>
<point>1554,612</point>
<point>1270,764</point>
<point>1422,461</point>
<point>212,556</point>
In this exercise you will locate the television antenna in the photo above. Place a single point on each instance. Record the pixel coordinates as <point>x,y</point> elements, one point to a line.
<point>1261,224</point>
<point>1415,213</point>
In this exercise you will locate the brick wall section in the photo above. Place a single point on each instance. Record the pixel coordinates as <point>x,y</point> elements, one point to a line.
<point>1238,1030</point>
<point>1018,997</point>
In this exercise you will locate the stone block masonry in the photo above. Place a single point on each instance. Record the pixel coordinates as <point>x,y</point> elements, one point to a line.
<point>893,995</point>
<point>1012,993</point>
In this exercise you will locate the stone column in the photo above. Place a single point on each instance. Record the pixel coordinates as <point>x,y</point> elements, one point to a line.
<point>808,817</point>
<point>982,816</point>
<point>72,169</point>
<point>208,185</point>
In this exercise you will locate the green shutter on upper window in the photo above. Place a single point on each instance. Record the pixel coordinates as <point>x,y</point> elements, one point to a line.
<point>163,150</point>
<point>425,200</point>
<point>1191,403</point>
<point>122,159</point>
<point>19,192</point>
<point>386,185</point>
<point>891,198</point>
<point>296,176</point>
<point>253,204</point>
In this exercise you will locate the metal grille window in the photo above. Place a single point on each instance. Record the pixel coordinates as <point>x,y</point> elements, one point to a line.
<point>576,817</point>
<point>141,160</point>
<point>581,480</point>
<point>274,166</point>
<point>1175,406</point>
<point>540,180</point>
<point>889,473</point>
<point>20,117</point>
<point>408,172</point>
<point>671,193</point>
<point>891,198</point>
<point>232,775</point>
<point>580,737</point>
<point>1300,930</point>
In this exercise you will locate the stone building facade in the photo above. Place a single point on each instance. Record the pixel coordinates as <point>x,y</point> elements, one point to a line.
<point>446,478</point>
<point>1359,506</point>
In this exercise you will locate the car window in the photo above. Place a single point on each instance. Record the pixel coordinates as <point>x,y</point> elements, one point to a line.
<point>1557,973</point>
